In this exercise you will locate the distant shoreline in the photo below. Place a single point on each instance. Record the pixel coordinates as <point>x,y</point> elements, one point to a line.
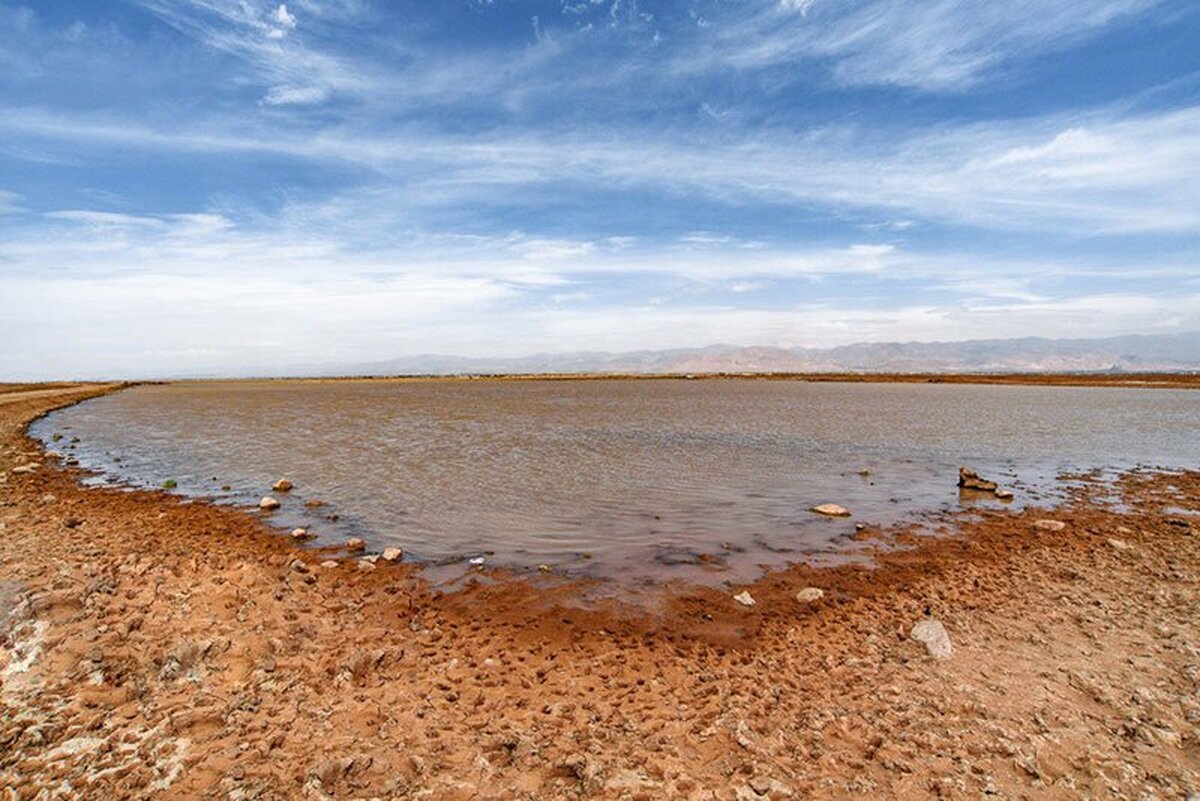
<point>1127,380</point>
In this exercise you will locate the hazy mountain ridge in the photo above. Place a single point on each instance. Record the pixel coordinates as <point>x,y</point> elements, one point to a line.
<point>1133,353</point>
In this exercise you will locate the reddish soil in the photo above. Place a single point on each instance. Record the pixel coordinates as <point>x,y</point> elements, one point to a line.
<point>158,648</point>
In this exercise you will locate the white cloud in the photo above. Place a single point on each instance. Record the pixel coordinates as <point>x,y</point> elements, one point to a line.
<point>296,95</point>
<point>1105,172</point>
<point>934,45</point>
<point>9,202</point>
<point>283,17</point>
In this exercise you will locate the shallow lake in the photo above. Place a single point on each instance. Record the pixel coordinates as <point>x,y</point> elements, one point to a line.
<point>645,480</point>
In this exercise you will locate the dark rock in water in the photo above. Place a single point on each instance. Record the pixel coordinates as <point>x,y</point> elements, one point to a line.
<point>969,479</point>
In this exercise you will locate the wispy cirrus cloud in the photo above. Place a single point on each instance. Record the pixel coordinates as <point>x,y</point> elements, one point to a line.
<point>1103,172</point>
<point>939,45</point>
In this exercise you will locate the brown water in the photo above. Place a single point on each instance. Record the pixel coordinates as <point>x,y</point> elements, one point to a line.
<point>645,480</point>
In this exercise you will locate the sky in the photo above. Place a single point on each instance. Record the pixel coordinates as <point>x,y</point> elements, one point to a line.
<point>235,186</point>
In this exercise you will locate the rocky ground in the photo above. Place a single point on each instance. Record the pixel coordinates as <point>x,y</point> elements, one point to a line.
<point>157,648</point>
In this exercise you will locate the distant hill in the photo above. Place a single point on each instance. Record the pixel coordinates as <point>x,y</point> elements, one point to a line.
<point>1135,353</point>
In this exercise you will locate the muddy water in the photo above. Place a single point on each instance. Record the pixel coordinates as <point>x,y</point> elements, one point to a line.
<point>704,481</point>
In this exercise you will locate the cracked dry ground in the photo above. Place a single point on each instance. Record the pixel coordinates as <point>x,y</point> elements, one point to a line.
<point>163,649</point>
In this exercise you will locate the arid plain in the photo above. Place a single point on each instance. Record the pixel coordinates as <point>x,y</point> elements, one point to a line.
<point>160,648</point>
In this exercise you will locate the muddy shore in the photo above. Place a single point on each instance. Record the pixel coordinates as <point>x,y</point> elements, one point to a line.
<point>158,648</point>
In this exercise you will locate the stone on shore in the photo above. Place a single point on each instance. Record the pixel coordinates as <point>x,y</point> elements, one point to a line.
<point>282,485</point>
<point>26,468</point>
<point>301,534</point>
<point>392,554</point>
<point>355,544</point>
<point>1003,494</point>
<point>744,598</point>
<point>810,594</point>
<point>329,564</point>
<point>831,510</point>
<point>268,503</point>
<point>932,634</point>
<point>1049,525</point>
<point>969,479</point>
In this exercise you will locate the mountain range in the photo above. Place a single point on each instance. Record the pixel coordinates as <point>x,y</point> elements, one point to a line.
<point>1133,353</point>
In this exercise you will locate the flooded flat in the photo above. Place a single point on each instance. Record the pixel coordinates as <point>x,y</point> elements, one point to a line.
<point>643,480</point>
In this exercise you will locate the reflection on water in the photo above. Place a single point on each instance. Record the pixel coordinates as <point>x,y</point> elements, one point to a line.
<point>700,480</point>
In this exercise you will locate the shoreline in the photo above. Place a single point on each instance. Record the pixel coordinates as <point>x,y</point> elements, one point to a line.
<point>1127,380</point>
<point>508,688</point>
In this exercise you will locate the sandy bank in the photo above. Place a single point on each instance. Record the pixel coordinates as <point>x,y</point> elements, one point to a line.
<point>157,648</point>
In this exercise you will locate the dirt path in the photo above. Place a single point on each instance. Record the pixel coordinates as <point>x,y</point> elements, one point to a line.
<point>164,649</point>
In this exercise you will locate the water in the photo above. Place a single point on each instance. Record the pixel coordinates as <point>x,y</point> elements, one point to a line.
<point>645,480</point>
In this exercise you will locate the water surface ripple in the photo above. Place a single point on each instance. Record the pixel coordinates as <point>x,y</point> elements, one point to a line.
<point>642,479</point>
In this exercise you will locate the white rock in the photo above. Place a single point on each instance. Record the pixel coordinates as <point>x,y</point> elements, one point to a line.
<point>933,634</point>
<point>810,594</point>
<point>1049,525</point>
<point>329,564</point>
<point>392,554</point>
<point>744,598</point>
<point>478,560</point>
<point>355,544</point>
<point>282,485</point>
<point>268,503</point>
<point>25,468</point>
<point>1120,545</point>
<point>363,564</point>
<point>831,510</point>
<point>300,534</point>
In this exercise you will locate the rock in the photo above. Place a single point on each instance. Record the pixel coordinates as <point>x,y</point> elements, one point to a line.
<point>282,485</point>
<point>72,522</point>
<point>392,555</point>
<point>364,564</point>
<point>225,488</point>
<point>933,635</point>
<point>268,503</point>
<point>744,598</point>
<point>1003,494</point>
<point>299,566</point>
<point>301,534</point>
<point>169,484</point>
<point>1178,521</point>
<point>831,510</point>
<point>1120,545</point>
<point>864,472</point>
<point>355,544</point>
<point>810,594</point>
<point>544,568</point>
<point>315,503</point>
<point>329,564</point>
<point>48,499</point>
<point>969,479</point>
<point>1049,525</point>
<point>26,468</point>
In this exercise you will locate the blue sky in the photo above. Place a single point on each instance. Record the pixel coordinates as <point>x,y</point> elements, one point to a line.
<point>230,186</point>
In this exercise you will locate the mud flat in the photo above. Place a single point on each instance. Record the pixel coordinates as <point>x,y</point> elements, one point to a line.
<point>159,648</point>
